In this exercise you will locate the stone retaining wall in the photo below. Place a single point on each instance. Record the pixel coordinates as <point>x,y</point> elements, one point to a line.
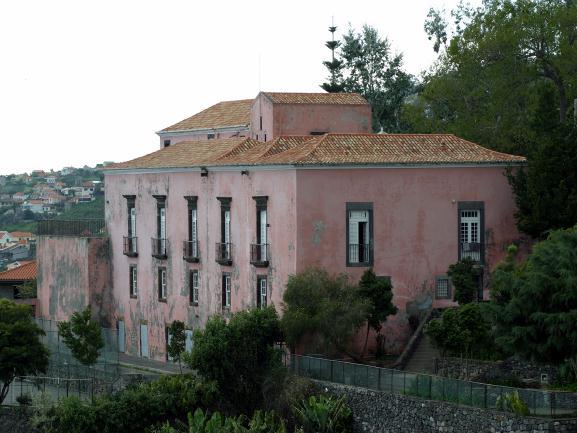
<point>381,412</point>
<point>472,369</point>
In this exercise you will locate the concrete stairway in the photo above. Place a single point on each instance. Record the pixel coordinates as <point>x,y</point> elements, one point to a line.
<point>423,357</point>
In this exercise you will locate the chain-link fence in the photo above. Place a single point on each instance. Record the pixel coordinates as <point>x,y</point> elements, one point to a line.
<point>63,364</point>
<point>539,402</point>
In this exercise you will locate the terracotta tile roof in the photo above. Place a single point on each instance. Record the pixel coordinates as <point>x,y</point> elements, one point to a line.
<point>316,98</point>
<point>22,235</point>
<point>185,154</point>
<point>225,113</point>
<point>328,149</point>
<point>25,272</point>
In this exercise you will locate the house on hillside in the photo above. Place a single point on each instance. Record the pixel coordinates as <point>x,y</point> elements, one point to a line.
<point>5,239</point>
<point>19,197</point>
<point>12,279</point>
<point>212,225</point>
<point>35,205</point>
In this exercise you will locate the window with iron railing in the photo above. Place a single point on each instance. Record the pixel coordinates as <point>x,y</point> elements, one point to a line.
<point>224,253</point>
<point>359,234</point>
<point>190,246</point>
<point>259,254</point>
<point>159,248</point>
<point>259,251</point>
<point>471,227</point>
<point>160,242</point>
<point>130,246</point>
<point>224,247</point>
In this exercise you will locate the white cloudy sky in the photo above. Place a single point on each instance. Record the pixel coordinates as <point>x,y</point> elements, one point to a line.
<point>82,82</point>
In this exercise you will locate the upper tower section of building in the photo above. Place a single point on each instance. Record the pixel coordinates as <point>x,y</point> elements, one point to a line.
<point>274,114</point>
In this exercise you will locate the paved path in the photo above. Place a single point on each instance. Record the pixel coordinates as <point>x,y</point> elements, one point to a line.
<point>136,364</point>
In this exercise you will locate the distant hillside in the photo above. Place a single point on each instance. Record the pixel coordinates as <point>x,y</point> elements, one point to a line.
<point>94,209</point>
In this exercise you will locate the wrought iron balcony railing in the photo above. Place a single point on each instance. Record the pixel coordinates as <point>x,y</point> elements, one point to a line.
<point>360,253</point>
<point>259,254</point>
<point>191,251</point>
<point>130,246</point>
<point>224,253</point>
<point>471,250</point>
<point>160,248</point>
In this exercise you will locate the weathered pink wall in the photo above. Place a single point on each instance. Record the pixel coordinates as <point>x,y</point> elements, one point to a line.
<point>280,188</point>
<point>72,273</point>
<point>302,119</point>
<point>415,217</point>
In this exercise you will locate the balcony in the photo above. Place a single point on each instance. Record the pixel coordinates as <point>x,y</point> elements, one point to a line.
<point>359,254</point>
<point>471,250</point>
<point>190,251</point>
<point>259,255</point>
<point>224,253</point>
<point>130,246</point>
<point>159,248</point>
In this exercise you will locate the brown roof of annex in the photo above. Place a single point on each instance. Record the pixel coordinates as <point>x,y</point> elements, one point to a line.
<point>223,114</point>
<point>316,98</point>
<point>25,272</point>
<point>325,150</point>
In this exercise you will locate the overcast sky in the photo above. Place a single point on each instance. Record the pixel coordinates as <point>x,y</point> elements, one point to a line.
<point>83,82</point>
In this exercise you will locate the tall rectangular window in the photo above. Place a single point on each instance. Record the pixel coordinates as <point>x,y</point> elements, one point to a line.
<point>130,240</point>
<point>161,242</point>
<point>261,295</point>
<point>260,250</point>
<point>193,283</point>
<point>191,250</point>
<point>162,284</point>
<point>133,275</point>
<point>471,228</point>
<point>443,288</point>
<point>224,250</point>
<point>226,290</point>
<point>359,234</point>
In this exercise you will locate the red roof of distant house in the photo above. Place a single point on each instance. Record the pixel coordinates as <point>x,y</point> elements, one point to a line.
<point>25,272</point>
<point>22,234</point>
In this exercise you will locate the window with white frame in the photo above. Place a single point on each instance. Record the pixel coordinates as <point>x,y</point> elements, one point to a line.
<point>194,281</point>
<point>470,231</point>
<point>191,246</point>
<point>359,234</point>
<point>226,290</point>
<point>443,288</point>
<point>188,343</point>
<point>162,291</point>
<point>133,281</point>
<point>262,288</point>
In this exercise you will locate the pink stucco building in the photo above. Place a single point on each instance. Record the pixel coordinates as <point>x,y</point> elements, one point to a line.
<point>211,225</point>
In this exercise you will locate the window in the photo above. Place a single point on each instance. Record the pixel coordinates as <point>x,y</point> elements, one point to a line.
<point>226,290</point>
<point>166,143</point>
<point>261,123</point>
<point>167,339</point>
<point>162,284</point>
<point>159,245</point>
<point>359,234</point>
<point>259,251</point>
<point>188,340</point>
<point>265,137</point>
<point>191,252</point>
<point>443,288</point>
<point>471,228</point>
<point>193,286</point>
<point>261,295</point>
<point>224,249</point>
<point>133,275</point>
<point>130,239</point>
<point>210,136</point>
<point>318,132</point>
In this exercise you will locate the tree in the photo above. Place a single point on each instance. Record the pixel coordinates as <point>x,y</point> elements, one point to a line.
<point>463,331</point>
<point>238,355</point>
<point>537,300</point>
<point>28,290</point>
<point>82,336</point>
<point>364,64</point>
<point>464,275</point>
<point>21,351</point>
<point>379,294</point>
<point>321,311</point>
<point>176,342</point>
<point>486,82</point>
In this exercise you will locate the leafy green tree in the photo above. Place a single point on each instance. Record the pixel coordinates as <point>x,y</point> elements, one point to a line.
<point>537,300</point>
<point>464,275</point>
<point>238,355</point>
<point>83,336</point>
<point>177,341</point>
<point>21,351</point>
<point>322,311</point>
<point>464,331</point>
<point>379,294</point>
<point>364,64</point>
<point>28,290</point>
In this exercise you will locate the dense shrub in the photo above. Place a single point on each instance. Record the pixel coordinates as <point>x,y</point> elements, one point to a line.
<point>322,414</point>
<point>131,410</point>
<point>464,331</point>
<point>464,275</point>
<point>238,355</point>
